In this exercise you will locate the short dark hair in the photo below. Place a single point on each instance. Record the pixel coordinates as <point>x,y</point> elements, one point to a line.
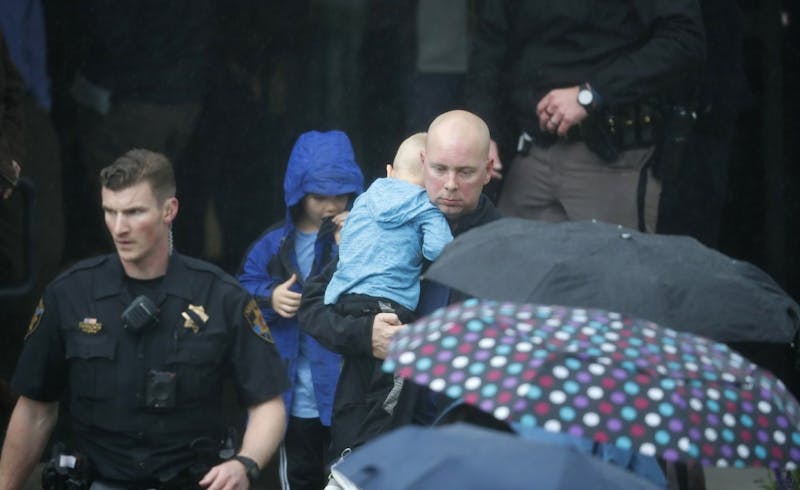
<point>139,165</point>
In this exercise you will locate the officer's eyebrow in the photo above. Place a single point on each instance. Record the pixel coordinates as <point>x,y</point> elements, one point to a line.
<point>132,209</point>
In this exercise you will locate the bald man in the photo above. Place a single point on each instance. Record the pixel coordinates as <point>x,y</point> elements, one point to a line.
<point>455,167</point>
<point>457,164</point>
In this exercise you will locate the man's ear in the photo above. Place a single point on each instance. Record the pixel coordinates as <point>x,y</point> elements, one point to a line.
<point>488,169</point>
<point>170,209</point>
<point>389,170</point>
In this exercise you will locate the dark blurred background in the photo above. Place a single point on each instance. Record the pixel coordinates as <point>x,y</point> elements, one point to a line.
<point>224,88</point>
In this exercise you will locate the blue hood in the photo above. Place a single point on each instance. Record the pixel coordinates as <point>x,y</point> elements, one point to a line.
<point>321,163</point>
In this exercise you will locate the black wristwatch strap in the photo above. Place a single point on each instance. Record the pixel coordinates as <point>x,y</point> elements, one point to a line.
<point>250,466</point>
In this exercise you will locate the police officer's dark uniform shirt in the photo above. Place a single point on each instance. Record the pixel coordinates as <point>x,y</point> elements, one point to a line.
<point>76,340</point>
<point>626,50</point>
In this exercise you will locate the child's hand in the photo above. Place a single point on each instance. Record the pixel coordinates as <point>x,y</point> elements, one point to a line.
<point>339,220</point>
<point>286,302</point>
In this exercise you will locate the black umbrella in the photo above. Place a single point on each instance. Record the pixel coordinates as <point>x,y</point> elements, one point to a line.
<point>467,457</point>
<point>674,281</point>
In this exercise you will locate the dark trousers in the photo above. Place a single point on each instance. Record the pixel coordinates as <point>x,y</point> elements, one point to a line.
<point>306,445</point>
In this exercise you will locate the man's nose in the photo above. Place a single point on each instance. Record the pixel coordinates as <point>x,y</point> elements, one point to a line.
<point>119,224</point>
<point>451,181</point>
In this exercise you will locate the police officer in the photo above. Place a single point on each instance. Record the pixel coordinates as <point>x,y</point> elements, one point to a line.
<point>582,84</point>
<point>142,339</point>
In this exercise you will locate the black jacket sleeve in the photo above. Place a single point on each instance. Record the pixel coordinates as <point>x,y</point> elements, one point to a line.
<point>488,57</point>
<point>343,334</point>
<point>675,47</point>
<point>522,50</point>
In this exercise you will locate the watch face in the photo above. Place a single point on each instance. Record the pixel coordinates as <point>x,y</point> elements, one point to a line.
<point>585,97</point>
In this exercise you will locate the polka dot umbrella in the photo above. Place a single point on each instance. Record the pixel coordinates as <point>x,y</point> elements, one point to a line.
<point>605,376</point>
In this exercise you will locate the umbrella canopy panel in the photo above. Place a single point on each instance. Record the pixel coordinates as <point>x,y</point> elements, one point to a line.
<point>674,281</point>
<point>467,457</point>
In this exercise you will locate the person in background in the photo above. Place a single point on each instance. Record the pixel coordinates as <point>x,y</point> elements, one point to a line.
<point>12,89</point>
<point>322,178</point>
<point>22,24</point>
<point>138,72</point>
<point>586,93</point>
<point>11,150</point>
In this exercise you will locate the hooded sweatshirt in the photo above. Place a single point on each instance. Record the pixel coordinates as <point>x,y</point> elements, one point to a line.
<point>320,163</point>
<point>390,229</point>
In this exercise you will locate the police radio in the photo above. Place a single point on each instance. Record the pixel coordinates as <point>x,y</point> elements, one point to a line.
<point>140,314</point>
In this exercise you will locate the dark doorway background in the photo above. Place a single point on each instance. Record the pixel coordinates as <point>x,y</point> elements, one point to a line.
<point>268,71</point>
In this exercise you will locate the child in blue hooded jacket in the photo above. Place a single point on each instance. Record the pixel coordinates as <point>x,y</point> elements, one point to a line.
<point>391,229</point>
<point>322,178</point>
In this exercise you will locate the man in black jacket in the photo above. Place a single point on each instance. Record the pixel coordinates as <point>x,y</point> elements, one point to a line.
<point>581,86</point>
<point>456,166</point>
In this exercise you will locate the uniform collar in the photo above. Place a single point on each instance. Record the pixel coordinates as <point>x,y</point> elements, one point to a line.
<point>111,282</point>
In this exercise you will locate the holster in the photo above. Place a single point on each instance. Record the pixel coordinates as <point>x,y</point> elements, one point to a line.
<point>607,131</point>
<point>614,130</point>
<point>208,453</point>
<point>601,136</point>
<point>186,479</point>
<point>67,471</point>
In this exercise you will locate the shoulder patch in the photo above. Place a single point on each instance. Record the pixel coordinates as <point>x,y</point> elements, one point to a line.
<point>37,317</point>
<point>257,323</point>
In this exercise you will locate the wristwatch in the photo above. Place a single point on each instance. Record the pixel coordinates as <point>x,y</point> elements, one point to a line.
<point>250,466</point>
<point>587,97</point>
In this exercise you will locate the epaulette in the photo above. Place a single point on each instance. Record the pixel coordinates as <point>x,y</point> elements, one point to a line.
<point>203,266</point>
<point>82,265</point>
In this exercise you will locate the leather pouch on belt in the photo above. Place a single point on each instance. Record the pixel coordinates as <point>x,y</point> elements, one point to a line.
<point>599,135</point>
